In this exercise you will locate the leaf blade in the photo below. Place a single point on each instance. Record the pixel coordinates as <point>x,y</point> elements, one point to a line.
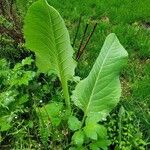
<point>78,137</point>
<point>101,90</point>
<point>73,123</point>
<point>46,35</point>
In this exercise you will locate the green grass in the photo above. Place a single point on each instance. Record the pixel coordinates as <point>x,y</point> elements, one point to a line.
<point>124,17</point>
<point>126,11</point>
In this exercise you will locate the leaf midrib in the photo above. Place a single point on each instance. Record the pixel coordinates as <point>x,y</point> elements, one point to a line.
<point>92,93</point>
<point>54,38</point>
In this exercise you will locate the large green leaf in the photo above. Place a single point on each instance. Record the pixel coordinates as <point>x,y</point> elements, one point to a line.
<point>46,35</point>
<point>100,91</point>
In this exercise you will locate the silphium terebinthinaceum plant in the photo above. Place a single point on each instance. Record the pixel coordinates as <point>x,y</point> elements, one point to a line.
<point>96,95</point>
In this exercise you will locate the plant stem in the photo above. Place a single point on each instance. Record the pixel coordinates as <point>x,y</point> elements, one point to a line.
<point>87,41</point>
<point>83,120</point>
<point>81,42</point>
<point>66,94</point>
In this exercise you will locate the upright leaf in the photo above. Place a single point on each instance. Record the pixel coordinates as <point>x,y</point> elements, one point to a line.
<point>46,35</point>
<point>100,91</point>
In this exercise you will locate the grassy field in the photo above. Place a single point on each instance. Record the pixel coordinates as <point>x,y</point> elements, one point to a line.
<point>128,19</point>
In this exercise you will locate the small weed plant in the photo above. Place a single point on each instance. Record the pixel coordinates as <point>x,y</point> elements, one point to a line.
<point>77,121</point>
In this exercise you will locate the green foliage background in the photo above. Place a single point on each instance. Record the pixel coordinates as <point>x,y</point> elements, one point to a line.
<point>130,20</point>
